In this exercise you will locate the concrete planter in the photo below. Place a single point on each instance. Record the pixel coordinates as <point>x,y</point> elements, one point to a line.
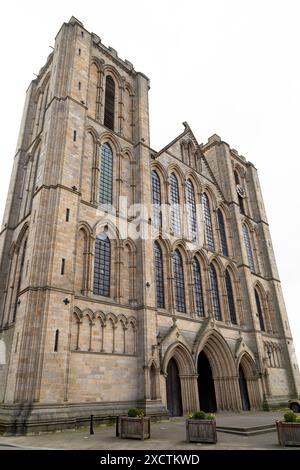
<point>201,430</point>
<point>288,433</point>
<point>134,428</point>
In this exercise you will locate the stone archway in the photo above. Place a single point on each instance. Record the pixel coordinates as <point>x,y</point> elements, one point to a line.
<point>223,368</point>
<point>248,374</point>
<point>174,397</point>
<point>206,388</point>
<point>187,375</point>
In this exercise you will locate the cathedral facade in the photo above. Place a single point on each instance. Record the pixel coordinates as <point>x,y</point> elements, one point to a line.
<point>131,277</point>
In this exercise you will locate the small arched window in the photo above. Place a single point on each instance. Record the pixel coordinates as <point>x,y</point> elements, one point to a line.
<point>178,282</point>
<point>230,298</point>
<point>198,288</point>
<point>223,238</point>
<point>102,265</point>
<point>159,276</point>
<point>106,176</point>
<point>259,311</point>
<point>191,207</point>
<point>175,207</point>
<point>215,298</point>
<point>156,199</point>
<point>248,247</point>
<point>207,222</point>
<point>109,111</point>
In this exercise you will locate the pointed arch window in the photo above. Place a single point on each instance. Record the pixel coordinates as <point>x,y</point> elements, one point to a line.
<point>102,265</point>
<point>259,311</point>
<point>109,111</point>
<point>248,247</point>
<point>207,222</point>
<point>175,207</point>
<point>106,176</point>
<point>215,298</point>
<point>223,238</point>
<point>20,279</point>
<point>230,298</point>
<point>191,207</point>
<point>179,282</point>
<point>198,291</point>
<point>156,199</point>
<point>159,276</point>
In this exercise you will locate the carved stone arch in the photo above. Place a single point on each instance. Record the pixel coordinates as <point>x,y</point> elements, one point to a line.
<point>131,336</point>
<point>217,261</point>
<point>95,135</point>
<point>189,175</point>
<point>182,356</point>
<point>109,138</point>
<point>237,297</point>
<point>211,197</point>
<point>126,187</point>
<point>83,225</point>
<point>45,82</point>
<point>122,320</point>
<point>101,315</point>
<point>181,246</point>
<point>129,88</point>
<point>89,313</point>
<point>259,288</point>
<point>157,166</point>
<point>98,62</point>
<point>108,227</point>
<point>111,316</point>
<point>174,168</point>
<point>21,235</point>
<point>249,370</point>
<point>77,311</point>
<point>218,353</point>
<point>132,320</point>
<point>113,72</point>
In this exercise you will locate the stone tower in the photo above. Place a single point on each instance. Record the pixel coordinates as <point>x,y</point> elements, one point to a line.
<point>130,277</point>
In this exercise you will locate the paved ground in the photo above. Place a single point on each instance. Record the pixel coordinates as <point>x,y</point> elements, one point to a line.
<point>164,435</point>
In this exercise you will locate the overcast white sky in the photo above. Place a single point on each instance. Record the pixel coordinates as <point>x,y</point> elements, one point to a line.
<point>229,67</point>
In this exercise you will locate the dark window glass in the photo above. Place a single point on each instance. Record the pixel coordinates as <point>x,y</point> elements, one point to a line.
<point>102,265</point>
<point>198,288</point>
<point>230,298</point>
<point>178,282</point>
<point>222,233</point>
<point>175,207</point>
<point>20,278</point>
<point>159,276</point>
<point>191,207</point>
<point>207,222</point>
<point>259,311</point>
<point>106,175</point>
<point>215,293</point>
<point>248,247</point>
<point>156,199</point>
<point>109,111</point>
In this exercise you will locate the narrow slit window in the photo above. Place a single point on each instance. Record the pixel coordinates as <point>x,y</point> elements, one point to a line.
<point>67,215</point>
<point>56,341</point>
<point>109,111</point>
<point>62,269</point>
<point>74,136</point>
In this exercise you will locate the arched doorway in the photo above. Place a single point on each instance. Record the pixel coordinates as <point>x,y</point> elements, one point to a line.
<point>206,388</point>
<point>174,400</point>
<point>244,390</point>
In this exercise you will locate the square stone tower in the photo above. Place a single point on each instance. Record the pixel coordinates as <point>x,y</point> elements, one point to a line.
<point>130,277</point>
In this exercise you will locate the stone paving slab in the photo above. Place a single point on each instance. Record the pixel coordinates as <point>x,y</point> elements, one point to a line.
<point>164,435</point>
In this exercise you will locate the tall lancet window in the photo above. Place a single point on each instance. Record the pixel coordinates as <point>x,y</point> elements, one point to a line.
<point>215,298</point>
<point>159,276</point>
<point>198,291</point>
<point>248,246</point>
<point>102,265</point>
<point>109,111</point>
<point>191,207</point>
<point>156,199</point>
<point>259,311</point>
<point>230,298</point>
<point>207,222</point>
<point>178,282</point>
<point>106,176</point>
<point>223,239</point>
<point>175,207</point>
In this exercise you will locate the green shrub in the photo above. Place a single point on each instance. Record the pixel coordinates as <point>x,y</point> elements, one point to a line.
<point>135,413</point>
<point>199,415</point>
<point>210,416</point>
<point>290,417</point>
